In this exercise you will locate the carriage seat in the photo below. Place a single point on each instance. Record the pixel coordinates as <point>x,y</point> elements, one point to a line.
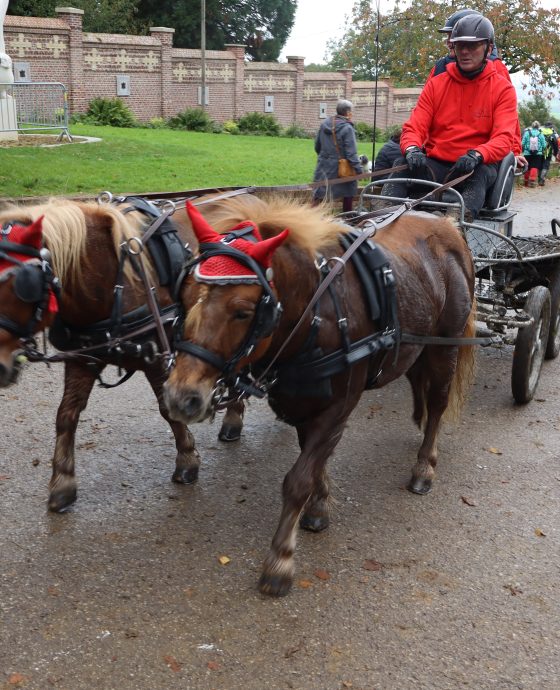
<point>499,196</point>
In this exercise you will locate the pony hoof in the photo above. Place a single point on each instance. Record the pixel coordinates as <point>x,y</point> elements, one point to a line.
<point>59,501</point>
<point>185,475</point>
<point>314,523</point>
<point>229,432</point>
<point>275,585</point>
<point>420,486</point>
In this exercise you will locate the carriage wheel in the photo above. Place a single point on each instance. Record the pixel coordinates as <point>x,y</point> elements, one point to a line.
<point>530,346</point>
<point>553,342</point>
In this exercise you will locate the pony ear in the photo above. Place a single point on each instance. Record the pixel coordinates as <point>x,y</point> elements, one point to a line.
<point>202,229</point>
<point>32,235</point>
<point>262,251</point>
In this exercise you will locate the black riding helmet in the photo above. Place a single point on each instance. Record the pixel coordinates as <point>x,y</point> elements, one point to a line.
<point>473,28</point>
<point>450,22</point>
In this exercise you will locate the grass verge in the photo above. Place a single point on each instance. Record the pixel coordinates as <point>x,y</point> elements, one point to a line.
<point>155,160</point>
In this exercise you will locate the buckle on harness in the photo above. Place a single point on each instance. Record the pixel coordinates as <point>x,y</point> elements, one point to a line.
<point>388,276</point>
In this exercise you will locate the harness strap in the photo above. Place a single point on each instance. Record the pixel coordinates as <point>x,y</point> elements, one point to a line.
<point>412,339</point>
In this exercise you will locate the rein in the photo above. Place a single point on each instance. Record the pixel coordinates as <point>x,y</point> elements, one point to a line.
<point>341,263</point>
<point>276,188</point>
<point>387,339</point>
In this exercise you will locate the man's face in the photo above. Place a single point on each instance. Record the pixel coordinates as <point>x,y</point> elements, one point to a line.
<point>470,54</point>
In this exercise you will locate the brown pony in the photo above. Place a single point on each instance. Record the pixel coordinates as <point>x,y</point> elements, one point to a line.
<point>84,241</point>
<point>434,279</point>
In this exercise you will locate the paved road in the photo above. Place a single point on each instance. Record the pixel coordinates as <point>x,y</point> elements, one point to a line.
<point>457,589</point>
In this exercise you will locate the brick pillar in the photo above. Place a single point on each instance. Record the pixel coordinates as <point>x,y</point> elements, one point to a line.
<point>298,96</point>
<point>348,83</point>
<point>77,102</point>
<point>165,37</point>
<point>238,52</point>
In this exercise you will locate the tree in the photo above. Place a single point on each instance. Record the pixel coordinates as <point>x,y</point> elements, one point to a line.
<point>262,25</point>
<point>409,43</point>
<point>100,16</point>
<point>534,109</point>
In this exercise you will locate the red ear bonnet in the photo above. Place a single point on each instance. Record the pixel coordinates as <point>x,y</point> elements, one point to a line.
<point>226,269</point>
<point>29,236</point>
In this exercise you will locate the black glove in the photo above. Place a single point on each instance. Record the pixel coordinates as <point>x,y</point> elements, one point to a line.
<point>467,163</point>
<point>415,158</point>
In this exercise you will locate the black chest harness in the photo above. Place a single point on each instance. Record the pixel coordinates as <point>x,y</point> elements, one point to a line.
<point>122,334</point>
<point>131,334</point>
<point>310,371</point>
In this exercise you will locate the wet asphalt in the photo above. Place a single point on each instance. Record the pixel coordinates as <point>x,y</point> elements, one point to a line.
<point>456,589</point>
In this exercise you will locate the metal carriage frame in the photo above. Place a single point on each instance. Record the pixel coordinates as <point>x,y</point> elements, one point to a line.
<point>517,278</point>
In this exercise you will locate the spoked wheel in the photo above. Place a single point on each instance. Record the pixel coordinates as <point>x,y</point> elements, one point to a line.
<point>553,342</point>
<point>530,346</point>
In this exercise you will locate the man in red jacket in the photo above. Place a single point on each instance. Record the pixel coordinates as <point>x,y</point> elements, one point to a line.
<point>465,119</point>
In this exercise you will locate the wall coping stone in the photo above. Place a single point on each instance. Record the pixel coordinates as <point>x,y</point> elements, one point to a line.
<point>68,10</point>
<point>162,29</point>
<point>31,22</point>
<point>269,67</point>
<point>121,39</point>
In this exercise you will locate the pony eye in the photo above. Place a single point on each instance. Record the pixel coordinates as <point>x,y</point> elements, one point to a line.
<point>242,314</point>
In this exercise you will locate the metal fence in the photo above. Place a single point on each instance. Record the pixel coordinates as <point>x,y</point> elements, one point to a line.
<point>40,106</point>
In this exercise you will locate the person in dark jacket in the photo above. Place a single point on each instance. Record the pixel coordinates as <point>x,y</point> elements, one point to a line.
<point>389,152</point>
<point>328,156</point>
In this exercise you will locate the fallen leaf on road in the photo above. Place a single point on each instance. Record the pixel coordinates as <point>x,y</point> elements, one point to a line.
<point>372,565</point>
<point>496,451</point>
<point>4,477</point>
<point>224,560</point>
<point>468,501</point>
<point>17,679</point>
<point>293,650</point>
<point>539,532</point>
<point>514,590</point>
<point>172,662</point>
<point>305,584</point>
<point>322,575</point>
<point>213,665</point>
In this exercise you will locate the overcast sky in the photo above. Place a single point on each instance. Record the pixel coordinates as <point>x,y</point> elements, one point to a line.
<point>317,21</point>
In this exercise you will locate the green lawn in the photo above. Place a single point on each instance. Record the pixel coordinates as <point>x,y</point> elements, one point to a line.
<point>145,160</point>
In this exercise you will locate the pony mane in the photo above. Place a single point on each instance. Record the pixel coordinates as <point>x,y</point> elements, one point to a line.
<point>310,227</point>
<point>65,229</point>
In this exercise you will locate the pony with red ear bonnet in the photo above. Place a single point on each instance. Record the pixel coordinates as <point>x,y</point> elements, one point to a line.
<point>314,375</point>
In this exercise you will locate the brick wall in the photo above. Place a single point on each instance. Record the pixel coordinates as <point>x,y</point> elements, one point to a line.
<point>162,80</point>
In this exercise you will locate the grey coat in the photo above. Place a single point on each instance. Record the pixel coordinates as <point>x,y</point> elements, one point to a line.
<point>327,162</point>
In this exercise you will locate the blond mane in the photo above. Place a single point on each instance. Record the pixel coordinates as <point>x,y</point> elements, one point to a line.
<point>65,228</point>
<point>310,227</point>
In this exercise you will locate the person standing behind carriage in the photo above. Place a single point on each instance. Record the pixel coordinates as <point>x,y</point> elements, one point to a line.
<point>534,145</point>
<point>551,149</point>
<point>464,121</point>
<point>336,139</point>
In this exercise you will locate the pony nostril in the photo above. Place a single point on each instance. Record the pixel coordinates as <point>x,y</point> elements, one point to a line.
<point>192,404</point>
<point>182,404</point>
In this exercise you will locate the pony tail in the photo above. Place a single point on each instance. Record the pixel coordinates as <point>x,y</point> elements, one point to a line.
<point>465,370</point>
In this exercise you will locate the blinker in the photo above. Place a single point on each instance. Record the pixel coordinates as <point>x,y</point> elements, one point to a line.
<point>29,284</point>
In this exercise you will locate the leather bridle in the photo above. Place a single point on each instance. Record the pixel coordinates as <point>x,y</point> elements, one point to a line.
<point>33,282</point>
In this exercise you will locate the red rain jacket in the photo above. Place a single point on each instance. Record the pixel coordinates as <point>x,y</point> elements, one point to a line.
<point>455,114</point>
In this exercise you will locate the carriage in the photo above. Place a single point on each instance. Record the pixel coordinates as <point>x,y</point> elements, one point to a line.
<point>517,277</point>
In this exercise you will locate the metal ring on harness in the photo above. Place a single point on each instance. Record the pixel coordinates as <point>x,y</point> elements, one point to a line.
<point>339,259</point>
<point>104,197</point>
<point>139,243</point>
<point>167,206</point>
